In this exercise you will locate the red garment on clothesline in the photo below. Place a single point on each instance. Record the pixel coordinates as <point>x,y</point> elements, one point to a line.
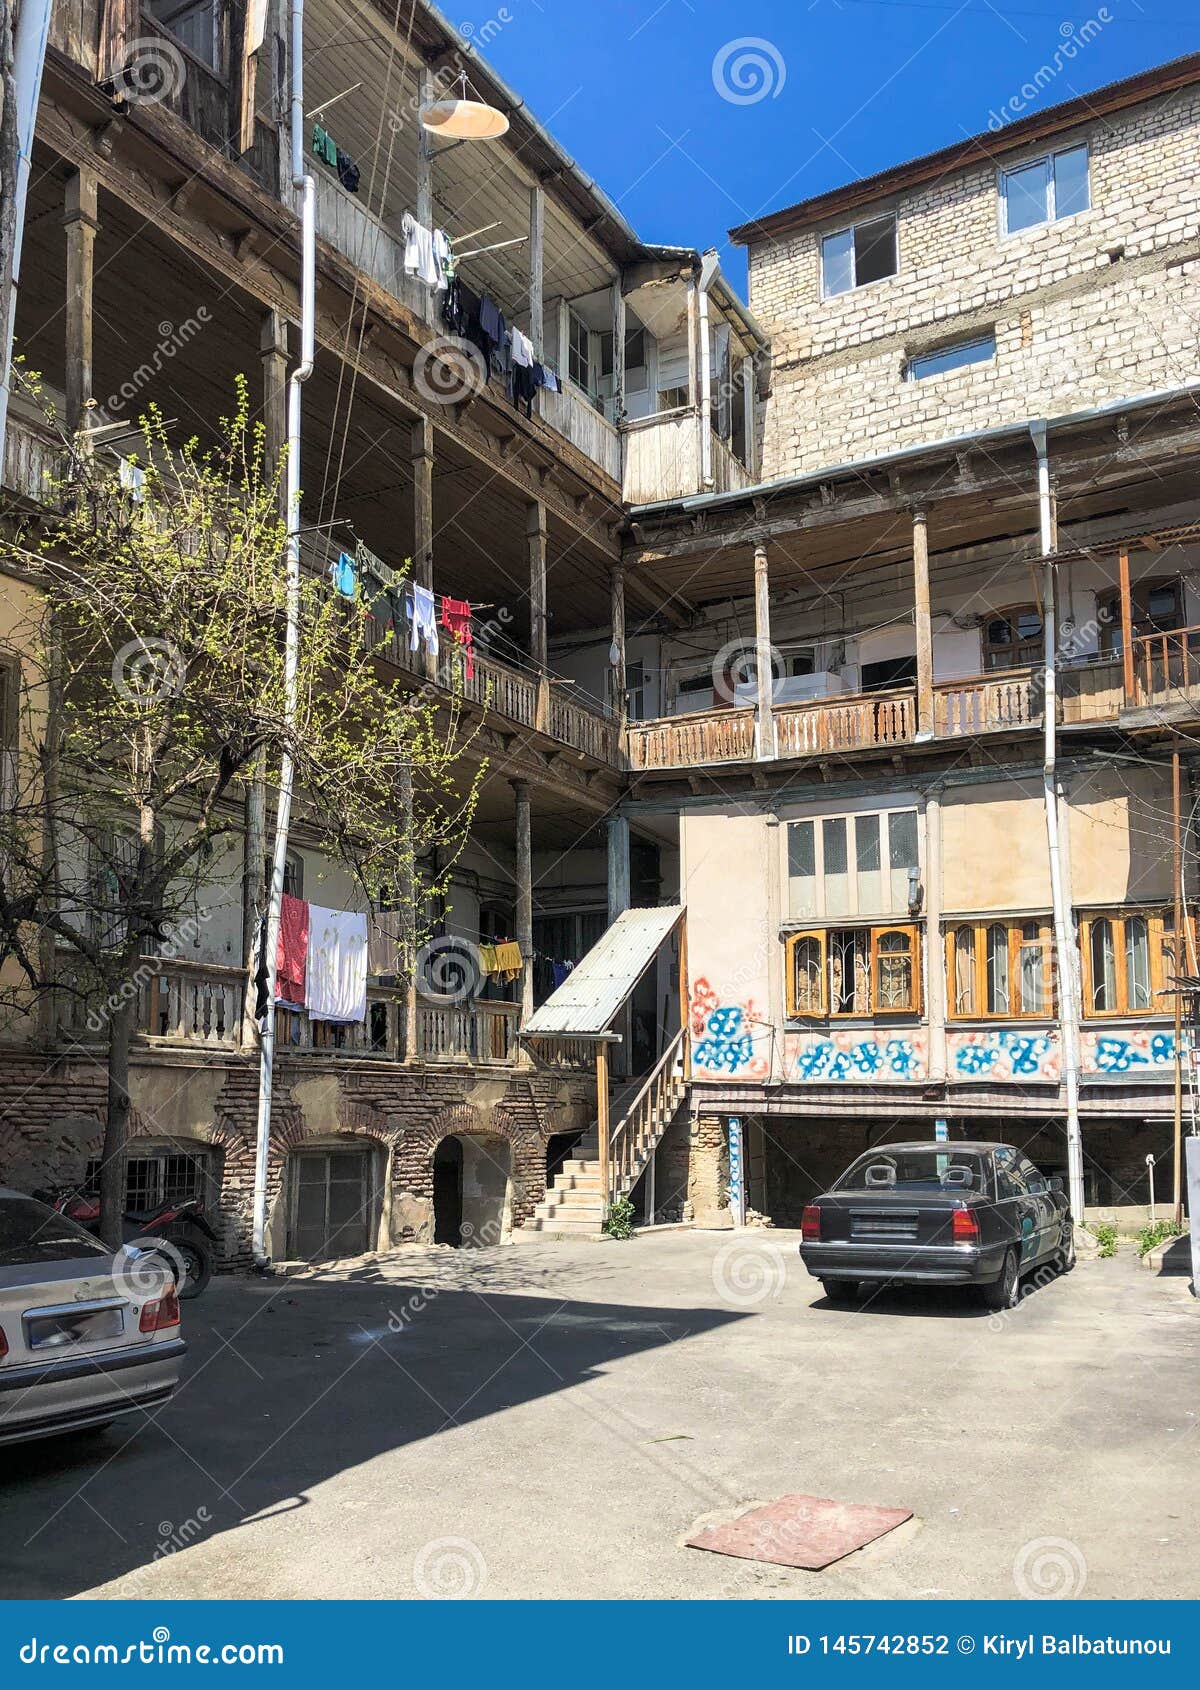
<point>456,616</point>
<point>292,955</point>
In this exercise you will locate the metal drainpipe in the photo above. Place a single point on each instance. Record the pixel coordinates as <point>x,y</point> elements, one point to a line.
<point>706,469</point>
<point>1064,927</point>
<point>30,36</point>
<point>306,187</point>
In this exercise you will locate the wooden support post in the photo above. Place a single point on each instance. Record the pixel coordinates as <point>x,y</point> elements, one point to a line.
<point>924,630</point>
<point>618,865</point>
<point>535,540</point>
<point>422,555</point>
<point>618,353</point>
<point>79,218</point>
<point>763,657</point>
<point>537,263</point>
<point>1180,969</point>
<point>602,1119</point>
<point>273,353</point>
<point>748,434</point>
<point>1128,678</point>
<point>408,890</point>
<point>620,679</point>
<point>524,873</point>
<point>424,211</point>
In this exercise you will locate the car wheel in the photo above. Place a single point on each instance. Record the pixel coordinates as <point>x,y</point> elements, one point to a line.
<point>1005,1292</point>
<point>191,1256</point>
<point>1065,1260</point>
<point>840,1290</point>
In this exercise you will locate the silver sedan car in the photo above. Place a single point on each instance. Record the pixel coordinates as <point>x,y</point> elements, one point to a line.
<point>85,1336</point>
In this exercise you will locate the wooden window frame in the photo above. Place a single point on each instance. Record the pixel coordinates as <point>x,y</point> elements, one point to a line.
<point>1010,612</point>
<point>1155,916</point>
<point>821,936</point>
<point>980,927</point>
<point>853,917</point>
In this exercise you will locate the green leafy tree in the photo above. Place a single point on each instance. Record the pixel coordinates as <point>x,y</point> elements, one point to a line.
<point>151,696</point>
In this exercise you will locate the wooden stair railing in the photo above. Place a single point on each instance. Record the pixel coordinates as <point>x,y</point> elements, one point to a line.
<point>634,1137</point>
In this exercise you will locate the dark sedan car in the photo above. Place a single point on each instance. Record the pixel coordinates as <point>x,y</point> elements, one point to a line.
<point>938,1214</point>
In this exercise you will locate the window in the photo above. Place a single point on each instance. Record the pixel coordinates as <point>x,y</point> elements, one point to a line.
<point>1128,961</point>
<point>859,971</point>
<point>955,357</point>
<point>1012,639</point>
<point>889,672</point>
<point>1044,191</point>
<point>672,398</point>
<point>157,1176</point>
<point>196,23</point>
<point>694,692</point>
<point>635,691</point>
<point>999,970</point>
<point>854,257</point>
<point>851,865</point>
<point>1155,607</point>
<point>579,363</point>
<point>635,351</point>
<point>918,1170</point>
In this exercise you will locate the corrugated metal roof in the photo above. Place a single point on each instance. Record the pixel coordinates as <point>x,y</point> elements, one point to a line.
<point>589,998</point>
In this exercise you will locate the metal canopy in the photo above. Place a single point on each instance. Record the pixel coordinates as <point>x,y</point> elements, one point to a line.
<point>586,1004</point>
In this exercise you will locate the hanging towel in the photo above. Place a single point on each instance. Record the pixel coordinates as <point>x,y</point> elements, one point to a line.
<point>422,623</point>
<point>549,379</point>
<point>509,962</point>
<point>443,259</point>
<point>348,173</point>
<point>292,952</point>
<point>323,145</point>
<point>456,617</point>
<point>522,350</point>
<point>337,965</point>
<point>419,257</point>
<point>487,958</point>
<point>344,575</point>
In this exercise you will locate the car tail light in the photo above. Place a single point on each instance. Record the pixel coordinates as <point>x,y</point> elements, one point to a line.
<point>810,1224</point>
<point>161,1313</point>
<point>3,1344</point>
<point>965,1227</point>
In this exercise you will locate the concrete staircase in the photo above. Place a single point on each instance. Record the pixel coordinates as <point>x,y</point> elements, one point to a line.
<point>641,1111</point>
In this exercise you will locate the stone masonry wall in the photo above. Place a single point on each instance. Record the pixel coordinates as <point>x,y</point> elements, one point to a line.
<point>1096,307</point>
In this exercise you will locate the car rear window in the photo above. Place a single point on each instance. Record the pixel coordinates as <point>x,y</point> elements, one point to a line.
<point>31,1232</point>
<point>917,1170</point>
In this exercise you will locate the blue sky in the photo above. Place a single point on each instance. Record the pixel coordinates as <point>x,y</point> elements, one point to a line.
<point>824,90</point>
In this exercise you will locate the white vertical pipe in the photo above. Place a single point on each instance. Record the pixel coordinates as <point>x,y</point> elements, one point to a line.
<point>29,56</point>
<point>306,187</point>
<point>706,471</point>
<point>1064,926</point>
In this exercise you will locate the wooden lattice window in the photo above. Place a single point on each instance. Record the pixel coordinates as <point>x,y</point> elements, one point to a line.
<point>1128,961</point>
<point>1000,970</point>
<point>854,971</point>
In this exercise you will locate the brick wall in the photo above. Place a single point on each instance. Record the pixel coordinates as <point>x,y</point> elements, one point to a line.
<point>52,1108</point>
<point>1096,307</point>
<point>692,1171</point>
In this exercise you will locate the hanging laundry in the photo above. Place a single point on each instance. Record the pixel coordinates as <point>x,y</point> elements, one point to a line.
<point>381,588</point>
<point>523,386</point>
<point>559,972</point>
<point>456,618</point>
<point>547,378</point>
<point>348,172</point>
<point>336,982</point>
<point>522,350</point>
<point>344,575</point>
<point>443,257</point>
<point>422,622</point>
<point>133,479</point>
<point>509,961</point>
<point>262,1000</point>
<point>487,958</point>
<point>324,146</point>
<point>291,953</point>
<point>425,252</point>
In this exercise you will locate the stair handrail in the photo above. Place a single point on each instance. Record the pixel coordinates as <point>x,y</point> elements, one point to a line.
<point>662,1066</point>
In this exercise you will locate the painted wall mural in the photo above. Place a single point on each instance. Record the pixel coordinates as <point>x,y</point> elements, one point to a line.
<point>727,1038</point>
<point>1004,1053</point>
<point>1125,1051</point>
<point>858,1056</point>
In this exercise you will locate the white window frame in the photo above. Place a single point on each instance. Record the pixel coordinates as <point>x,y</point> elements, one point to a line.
<point>1047,161</point>
<point>988,340</point>
<point>850,229</point>
<point>853,915</point>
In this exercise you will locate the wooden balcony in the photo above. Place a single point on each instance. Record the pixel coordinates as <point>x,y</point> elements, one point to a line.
<point>855,723</point>
<point>685,742</point>
<point>1166,669</point>
<point>483,1034</point>
<point>663,459</point>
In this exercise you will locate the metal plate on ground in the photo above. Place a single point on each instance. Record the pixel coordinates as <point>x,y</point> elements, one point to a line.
<point>800,1531</point>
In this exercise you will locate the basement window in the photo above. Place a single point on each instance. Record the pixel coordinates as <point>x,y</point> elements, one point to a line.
<point>1045,190</point>
<point>853,257</point>
<point>981,350</point>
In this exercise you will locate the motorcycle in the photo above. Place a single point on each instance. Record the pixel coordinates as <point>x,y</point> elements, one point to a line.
<point>187,1235</point>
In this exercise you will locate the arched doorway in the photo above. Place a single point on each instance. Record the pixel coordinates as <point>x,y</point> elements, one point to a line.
<point>448,1191</point>
<point>472,1189</point>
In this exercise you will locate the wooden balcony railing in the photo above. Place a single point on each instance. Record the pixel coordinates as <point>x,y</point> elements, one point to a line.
<point>1166,667</point>
<point>987,704</point>
<point>483,1033</point>
<point>845,724</point>
<point>684,742</point>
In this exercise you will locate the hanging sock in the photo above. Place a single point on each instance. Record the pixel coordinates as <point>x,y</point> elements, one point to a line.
<point>456,617</point>
<point>421,619</point>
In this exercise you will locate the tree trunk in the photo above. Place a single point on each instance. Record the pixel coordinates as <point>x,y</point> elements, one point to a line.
<point>116,1125</point>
